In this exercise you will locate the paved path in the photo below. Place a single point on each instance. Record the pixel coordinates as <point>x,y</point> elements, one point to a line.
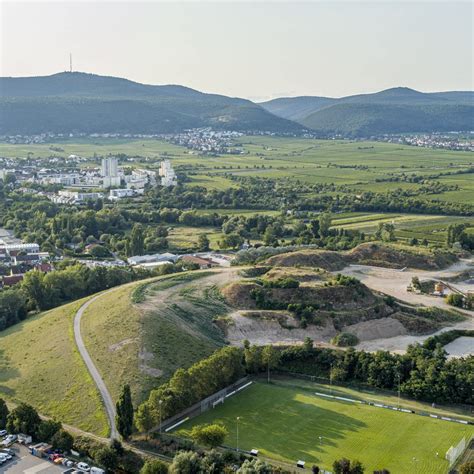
<point>98,380</point>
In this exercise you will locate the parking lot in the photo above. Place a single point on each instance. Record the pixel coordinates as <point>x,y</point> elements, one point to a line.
<point>24,462</point>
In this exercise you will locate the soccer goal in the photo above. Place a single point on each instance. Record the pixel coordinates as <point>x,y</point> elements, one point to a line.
<point>453,453</point>
<point>219,400</point>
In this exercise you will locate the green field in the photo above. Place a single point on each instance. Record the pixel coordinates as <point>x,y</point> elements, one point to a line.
<point>285,422</point>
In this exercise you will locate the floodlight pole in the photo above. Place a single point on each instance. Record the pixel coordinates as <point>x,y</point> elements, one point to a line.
<point>398,390</point>
<point>160,402</point>
<point>237,420</point>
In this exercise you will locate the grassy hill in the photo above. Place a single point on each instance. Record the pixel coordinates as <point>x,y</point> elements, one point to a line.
<point>87,103</point>
<point>396,110</point>
<point>39,364</point>
<point>141,333</point>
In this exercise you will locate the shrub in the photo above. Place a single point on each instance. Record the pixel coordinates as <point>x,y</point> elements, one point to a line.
<point>345,339</point>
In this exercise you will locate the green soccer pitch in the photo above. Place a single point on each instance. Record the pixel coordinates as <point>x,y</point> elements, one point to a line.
<point>285,424</point>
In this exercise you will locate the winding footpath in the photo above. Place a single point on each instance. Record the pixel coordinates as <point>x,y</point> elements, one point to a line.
<point>98,380</point>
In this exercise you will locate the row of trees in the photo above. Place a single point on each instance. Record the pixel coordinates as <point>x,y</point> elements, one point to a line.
<point>423,373</point>
<point>71,281</point>
<point>25,419</point>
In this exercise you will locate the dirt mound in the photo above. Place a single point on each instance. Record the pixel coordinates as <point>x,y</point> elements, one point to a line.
<point>325,259</point>
<point>399,257</point>
<point>303,275</point>
<point>376,329</point>
<point>238,294</point>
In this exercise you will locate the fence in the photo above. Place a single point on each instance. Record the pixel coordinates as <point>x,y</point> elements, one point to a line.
<point>454,452</point>
<point>203,405</point>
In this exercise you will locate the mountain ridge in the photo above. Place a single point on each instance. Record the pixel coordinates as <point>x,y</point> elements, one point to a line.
<point>82,102</point>
<point>394,110</point>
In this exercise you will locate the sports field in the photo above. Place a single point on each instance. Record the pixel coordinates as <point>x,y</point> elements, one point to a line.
<point>285,423</point>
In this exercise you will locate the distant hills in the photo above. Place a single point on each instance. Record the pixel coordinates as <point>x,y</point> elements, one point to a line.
<point>88,103</point>
<point>396,110</point>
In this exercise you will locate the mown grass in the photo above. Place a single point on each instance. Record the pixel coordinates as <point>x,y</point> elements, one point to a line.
<point>40,365</point>
<point>285,424</point>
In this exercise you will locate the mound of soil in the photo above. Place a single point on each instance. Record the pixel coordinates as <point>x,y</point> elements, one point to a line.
<point>376,329</point>
<point>392,257</point>
<point>238,296</point>
<point>381,255</point>
<point>326,259</point>
<point>303,275</point>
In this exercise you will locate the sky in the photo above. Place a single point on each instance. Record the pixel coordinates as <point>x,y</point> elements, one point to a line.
<point>257,50</point>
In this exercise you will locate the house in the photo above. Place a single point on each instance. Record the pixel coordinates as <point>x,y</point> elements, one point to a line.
<point>202,262</point>
<point>157,257</point>
<point>11,280</point>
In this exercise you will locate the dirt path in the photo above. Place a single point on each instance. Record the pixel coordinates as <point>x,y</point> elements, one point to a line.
<point>98,380</point>
<point>220,277</point>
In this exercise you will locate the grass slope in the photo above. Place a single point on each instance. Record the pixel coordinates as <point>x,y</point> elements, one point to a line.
<point>285,424</point>
<point>39,364</point>
<point>141,333</point>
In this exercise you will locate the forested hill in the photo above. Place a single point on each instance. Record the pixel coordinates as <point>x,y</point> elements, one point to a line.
<point>88,103</point>
<point>397,110</point>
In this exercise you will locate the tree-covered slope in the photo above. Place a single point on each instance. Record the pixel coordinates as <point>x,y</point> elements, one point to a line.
<point>87,103</point>
<point>396,110</point>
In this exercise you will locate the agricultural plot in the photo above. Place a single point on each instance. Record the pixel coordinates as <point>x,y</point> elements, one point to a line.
<point>289,423</point>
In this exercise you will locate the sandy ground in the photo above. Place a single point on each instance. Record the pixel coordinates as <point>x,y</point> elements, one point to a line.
<point>394,282</point>
<point>460,347</point>
<point>8,237</point>
<point>376,329</point>
<point>265,331</point>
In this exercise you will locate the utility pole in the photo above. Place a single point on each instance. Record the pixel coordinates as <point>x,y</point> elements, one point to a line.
<point>237,420</point>
<point>70,62</point>
<point>398,390</point>
<point>160,402</point>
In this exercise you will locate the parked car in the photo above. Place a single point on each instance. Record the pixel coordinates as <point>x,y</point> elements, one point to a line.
<point>97,470</point>
<point>83,466</point>
<point>3,433</point>
<point>7,451</point>
<point>5,456</point>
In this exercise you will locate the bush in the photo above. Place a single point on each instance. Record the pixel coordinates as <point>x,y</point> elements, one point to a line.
<point>455,299</point>
<point>209,435</point>
<point>345,339</point>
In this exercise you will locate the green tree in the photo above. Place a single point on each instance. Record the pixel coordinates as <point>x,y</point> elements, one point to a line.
<point>107,458</point>
<point>271,358</point>
<point>62,440</point>
<point>23,419</point>
<point>47,429</point>
<point>144,420</point>
<point>3,414</point>
<point>232,241</point>
<point>137,240</point>
<point>124,417</point>
<point>186,462</point>
<point>254,466</point>
<point>325,220</point>
<point>455,299</point>
<point>203,243</point>
<point>209,435</point>
<point>154,466</point>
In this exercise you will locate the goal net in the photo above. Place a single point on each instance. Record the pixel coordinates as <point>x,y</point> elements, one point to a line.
<point>219,400</point>
<point>453,453</point>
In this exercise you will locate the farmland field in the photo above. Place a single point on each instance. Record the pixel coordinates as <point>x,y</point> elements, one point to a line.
<point>285,422</point>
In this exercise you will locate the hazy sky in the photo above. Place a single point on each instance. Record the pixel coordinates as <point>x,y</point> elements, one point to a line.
<point>256,50</point>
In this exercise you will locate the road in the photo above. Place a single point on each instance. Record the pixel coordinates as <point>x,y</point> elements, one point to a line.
<point>98,380</point>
